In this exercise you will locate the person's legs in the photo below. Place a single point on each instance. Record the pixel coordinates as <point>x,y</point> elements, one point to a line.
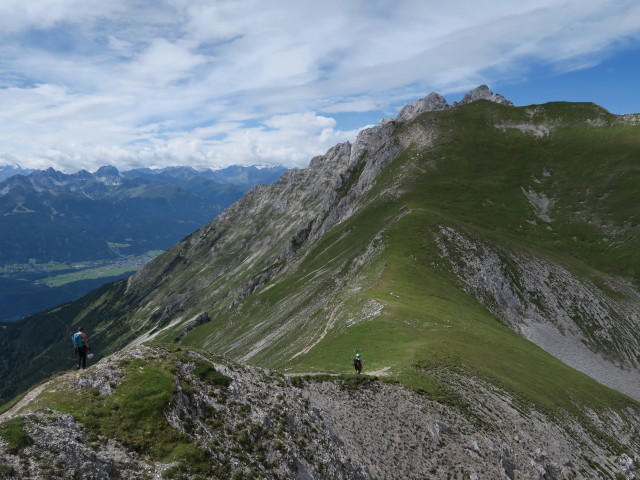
<point>82,352</point>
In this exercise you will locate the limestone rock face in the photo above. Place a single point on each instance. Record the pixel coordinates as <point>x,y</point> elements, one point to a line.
<point>435,102</point>
<point>536,298</point>
<point>483,93</point>
<point>431,103</point>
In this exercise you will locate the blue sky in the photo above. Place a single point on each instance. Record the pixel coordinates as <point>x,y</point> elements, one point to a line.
<point>210,83</point>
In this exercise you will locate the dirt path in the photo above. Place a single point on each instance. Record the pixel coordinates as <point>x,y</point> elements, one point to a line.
<point>327,327</point>
<point>29,397</point>
<point>378,373</point>
<point>374,373</point>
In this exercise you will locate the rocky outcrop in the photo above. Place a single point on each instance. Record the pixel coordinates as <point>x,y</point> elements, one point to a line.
<point>570,317</point>
<point>483,93</point>
<point>431,103</point>
<point>239,421</point>
<point>435,102</point>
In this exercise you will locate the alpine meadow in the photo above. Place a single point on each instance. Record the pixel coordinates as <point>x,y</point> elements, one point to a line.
<point>482,258</point>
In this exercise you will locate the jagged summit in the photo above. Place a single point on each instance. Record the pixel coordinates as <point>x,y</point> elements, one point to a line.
<point>483,93</point>
<point>435,102</point>
<point>431,103</point>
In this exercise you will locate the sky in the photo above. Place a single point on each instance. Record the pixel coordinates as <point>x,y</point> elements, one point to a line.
<point>212,83</point>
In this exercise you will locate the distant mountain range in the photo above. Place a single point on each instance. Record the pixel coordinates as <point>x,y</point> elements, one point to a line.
<point>7,171</point>
<point>54,223</point>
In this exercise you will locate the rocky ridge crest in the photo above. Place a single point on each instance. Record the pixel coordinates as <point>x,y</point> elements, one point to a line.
<point>435,102</point>
<point>264,424</point>
<point>483,93</point>
<point>306,202</point>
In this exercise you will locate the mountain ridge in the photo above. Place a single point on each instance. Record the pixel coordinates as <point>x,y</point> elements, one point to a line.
<point>231,419</point>
<point>430,246</point>
<point>335,169</point>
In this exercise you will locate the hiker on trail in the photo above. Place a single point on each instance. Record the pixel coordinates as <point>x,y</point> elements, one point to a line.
<point>81,347</point>
<point>357,363</point>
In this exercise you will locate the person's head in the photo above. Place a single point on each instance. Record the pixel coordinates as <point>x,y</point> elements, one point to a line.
<point>81,329</point>
<point>357,355</point>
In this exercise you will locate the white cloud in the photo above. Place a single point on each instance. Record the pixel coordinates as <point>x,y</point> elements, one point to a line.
<point>88,82</point>
<point>16,15</point>
<point>306,121</point>
<point>351,106</point>
<point>164,62</point>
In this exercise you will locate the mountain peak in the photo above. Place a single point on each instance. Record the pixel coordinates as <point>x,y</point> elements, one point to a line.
<point>482,92</point>
<point>435,102</point>
<point>109,175</point>
<point>431,103</point>
<point>107,170</point>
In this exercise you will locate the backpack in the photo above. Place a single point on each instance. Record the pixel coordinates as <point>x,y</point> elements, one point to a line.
<point>77,340</point>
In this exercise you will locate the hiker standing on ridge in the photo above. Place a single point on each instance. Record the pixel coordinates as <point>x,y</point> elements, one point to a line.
<point>81,347</point>
<point>357,363</point>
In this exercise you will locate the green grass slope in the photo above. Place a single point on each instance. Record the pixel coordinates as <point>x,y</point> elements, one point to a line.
<point>376,283</point>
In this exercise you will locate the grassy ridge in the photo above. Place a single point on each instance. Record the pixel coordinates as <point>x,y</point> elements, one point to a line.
<point>589,174</point>
<point>475,177</point>
<point>427,320</point>
<point>135,413</point>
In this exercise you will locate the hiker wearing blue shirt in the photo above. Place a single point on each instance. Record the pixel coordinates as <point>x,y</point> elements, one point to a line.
<point>357,363</point>
<point>81,347</point>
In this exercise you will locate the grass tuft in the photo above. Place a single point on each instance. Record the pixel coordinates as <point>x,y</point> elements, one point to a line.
<point>13,433</point>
